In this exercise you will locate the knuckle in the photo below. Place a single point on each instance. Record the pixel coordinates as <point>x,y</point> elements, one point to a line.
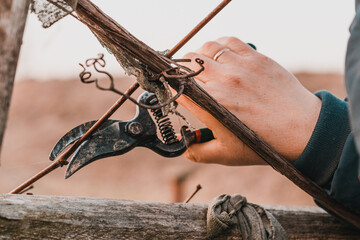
<point>208,46</point>
<point>191,155</point>
<point>237,45</point>
<point>230,41</point>
<point>233,40</point>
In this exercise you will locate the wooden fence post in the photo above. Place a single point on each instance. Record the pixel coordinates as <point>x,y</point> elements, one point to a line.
<point>13,15</point>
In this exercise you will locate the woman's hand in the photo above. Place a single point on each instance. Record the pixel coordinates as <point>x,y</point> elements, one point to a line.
<point>258,91</point>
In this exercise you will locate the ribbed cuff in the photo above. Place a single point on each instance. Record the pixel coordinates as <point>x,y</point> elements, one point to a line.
<point>322,153</point>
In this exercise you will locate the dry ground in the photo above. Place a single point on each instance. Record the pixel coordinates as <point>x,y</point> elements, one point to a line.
<point>41,112</point>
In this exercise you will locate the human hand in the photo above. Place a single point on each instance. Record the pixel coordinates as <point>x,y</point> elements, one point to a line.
<point>259,92</point>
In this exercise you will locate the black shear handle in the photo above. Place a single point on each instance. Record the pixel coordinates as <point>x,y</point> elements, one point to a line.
<point>198,136</point>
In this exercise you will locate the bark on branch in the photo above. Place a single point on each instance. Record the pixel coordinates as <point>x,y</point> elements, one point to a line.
<point>116,38</point>
<point>45,217</point>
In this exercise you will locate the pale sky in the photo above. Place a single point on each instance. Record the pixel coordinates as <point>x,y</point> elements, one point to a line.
<point>307,35</point>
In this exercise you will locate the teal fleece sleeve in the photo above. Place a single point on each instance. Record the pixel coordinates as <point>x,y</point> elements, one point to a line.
<point>330,158</point>
<point>322,153</point>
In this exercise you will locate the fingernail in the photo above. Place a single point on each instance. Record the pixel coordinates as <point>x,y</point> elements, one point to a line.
<point>252,45</point>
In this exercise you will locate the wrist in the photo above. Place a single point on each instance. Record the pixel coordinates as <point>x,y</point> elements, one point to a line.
<point>306,123</point>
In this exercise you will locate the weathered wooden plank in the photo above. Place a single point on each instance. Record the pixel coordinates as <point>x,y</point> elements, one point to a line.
<point>12,23</point>
<point>36,217</point>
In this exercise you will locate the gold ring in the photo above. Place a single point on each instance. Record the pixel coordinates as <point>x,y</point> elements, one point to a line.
<point>219,53</point>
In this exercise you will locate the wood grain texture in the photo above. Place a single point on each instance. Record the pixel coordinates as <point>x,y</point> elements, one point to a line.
<point>13,15</point>
<point>116,38</point>
<point>49,217</point>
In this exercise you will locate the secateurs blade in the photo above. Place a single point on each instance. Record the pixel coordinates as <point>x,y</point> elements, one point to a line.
<point>118,137</point>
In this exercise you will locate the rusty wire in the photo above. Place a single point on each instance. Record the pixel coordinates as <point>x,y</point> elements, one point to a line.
<point>183,76</point>
<point>96,63</point>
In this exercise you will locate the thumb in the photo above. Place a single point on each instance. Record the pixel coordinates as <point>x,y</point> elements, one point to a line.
<point>208,152</point>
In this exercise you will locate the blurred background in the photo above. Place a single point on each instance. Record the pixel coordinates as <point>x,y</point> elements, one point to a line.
<point>306,37</point>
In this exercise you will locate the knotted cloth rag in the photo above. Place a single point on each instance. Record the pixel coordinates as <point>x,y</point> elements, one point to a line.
<point>253,221</point>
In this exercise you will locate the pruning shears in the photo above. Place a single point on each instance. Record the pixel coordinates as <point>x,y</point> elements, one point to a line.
<point>118,137</point>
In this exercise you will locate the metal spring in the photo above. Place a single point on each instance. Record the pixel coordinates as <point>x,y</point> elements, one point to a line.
<point>165,126</point>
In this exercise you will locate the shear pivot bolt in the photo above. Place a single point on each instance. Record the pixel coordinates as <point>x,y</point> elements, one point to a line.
<point>134,128</point>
